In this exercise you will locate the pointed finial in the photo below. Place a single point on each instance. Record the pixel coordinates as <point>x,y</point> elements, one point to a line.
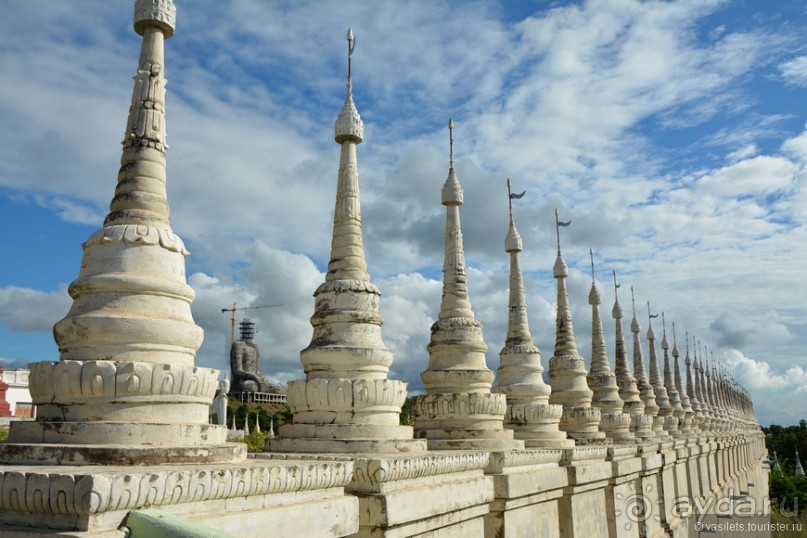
<point>663,326</point>
<point>451,143</point>
<point>558,224</point>
<point>591,255</point>
<point>633,301</point>
<point>513,196</point>
<point>510,199</point>
<point>351,44</point>
<point>649,315</point>
<point>616,286</point>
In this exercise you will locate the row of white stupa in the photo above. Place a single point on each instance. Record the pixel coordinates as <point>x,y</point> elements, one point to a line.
<point>126,372</point>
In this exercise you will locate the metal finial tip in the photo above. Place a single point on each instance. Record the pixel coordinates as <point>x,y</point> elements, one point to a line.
<point>451,123</point>
<point>591,255</point>
<point>350,34</point>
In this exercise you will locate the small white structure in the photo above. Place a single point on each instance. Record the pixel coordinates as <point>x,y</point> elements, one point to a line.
<point>18,396</point>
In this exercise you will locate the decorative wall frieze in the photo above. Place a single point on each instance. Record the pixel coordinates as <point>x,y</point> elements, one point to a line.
<point>76,382</point>
<point>499,461</point>
<point>370,473</point>
<point>137,234</point>
<point>584,453</point>
<point>81,493</point>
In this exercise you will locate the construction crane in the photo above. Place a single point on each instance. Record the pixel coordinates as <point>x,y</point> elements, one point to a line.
<point>233,310</point>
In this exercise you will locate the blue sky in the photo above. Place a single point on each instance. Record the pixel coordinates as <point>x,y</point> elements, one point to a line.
<point>672,134</point>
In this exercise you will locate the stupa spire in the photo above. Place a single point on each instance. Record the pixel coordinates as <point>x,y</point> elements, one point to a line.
<point>646,392</point>
<point>641,424</point>
<point>799,469</point>
<point>697,416</point>
<point>565,344</point>
<point>347,260</point>
<point>669,384</point>
<point>703,396</point>
<point>685,420</point>
<point>601,380</point>
<point>567,371</point>
<point>529,413</point>
<point>662,400</point>
<point>458,410</point>
<point>346,403</point>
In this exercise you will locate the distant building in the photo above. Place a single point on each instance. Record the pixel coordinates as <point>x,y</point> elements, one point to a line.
<point>14,394</point>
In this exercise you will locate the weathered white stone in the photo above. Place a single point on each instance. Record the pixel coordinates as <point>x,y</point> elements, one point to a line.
<point>646,392</point>
<point>529,413</point>
<point>459,411</point>
<point>126,374</point>
<point>669,422</point>
<point>567,371</point>
<point>346,363</point>
<point>601,380</point>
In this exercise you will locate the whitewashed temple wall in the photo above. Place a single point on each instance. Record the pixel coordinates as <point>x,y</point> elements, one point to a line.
<point>654,489</point>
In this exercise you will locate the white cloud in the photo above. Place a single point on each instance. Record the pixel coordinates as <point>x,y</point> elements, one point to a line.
<point>759,375</point>
<point>28,310</point>
<point>795,71</point>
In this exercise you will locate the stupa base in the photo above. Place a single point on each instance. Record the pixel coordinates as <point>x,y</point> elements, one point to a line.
<point>616,426</point>
<point>537,425</point>
<point>463,421</point>
<point>581,422</point>
<point>658,427</point>
<point>641,426</point>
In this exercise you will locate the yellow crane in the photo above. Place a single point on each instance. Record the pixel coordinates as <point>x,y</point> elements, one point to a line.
<point>235,308</point>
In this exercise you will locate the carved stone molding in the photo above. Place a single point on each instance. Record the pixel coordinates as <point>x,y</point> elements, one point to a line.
<point>160,13</point>
<point>344,285</point>
<point>346,395</point>
<point>78,382</point>
<point>137,234</point>
<point>584,453</point>
<point>348,124</point>
<point>369,474</point>
<point>533,414</point>
<point>500,461</point>
<point>74,491</point>
<point>453,405</point>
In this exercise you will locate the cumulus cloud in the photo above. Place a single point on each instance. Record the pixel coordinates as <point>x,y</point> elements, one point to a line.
<point>28,310</point>
<point>759,374</point>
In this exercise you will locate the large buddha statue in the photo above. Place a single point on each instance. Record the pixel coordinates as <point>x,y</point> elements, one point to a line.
<point>245,364</point>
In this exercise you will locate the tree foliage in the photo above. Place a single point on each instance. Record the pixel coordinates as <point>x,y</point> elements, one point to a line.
<point>788,492</point>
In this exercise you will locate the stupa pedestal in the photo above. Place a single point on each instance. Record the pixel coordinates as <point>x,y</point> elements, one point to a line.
<point>346,403</point>
<point>458,410</point>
